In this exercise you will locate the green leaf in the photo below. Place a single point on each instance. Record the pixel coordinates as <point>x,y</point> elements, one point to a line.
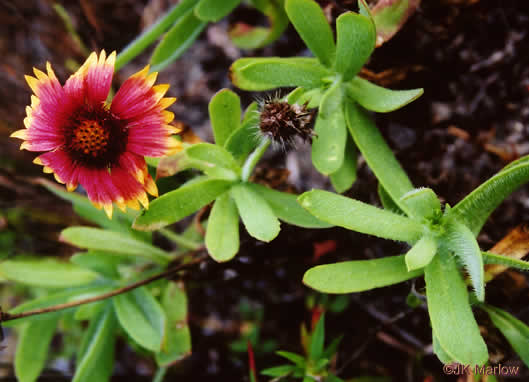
<point>450,314</point>
<point>516,332</point>
<point>345,176</point>
<point>257,216</point>
<point>222,235</point>
<point>361,217</point>
<point>332,349</point>
<point>177,341</point>
<point>301,96</point>
<point>225,115</point>
<point>421,253</point>
<point>45,272</point>
<point>278,371</point>
<point>96,355</point>
<point>120,222</point>
<point>317,339</point>
<point>286,207</point>
<point>328,147</point>
<point>142,317</point>
<point>379,99</point>
<point>390,16</point>
<point>293,357</point>
<point>150,35</point>
<point>439,351</point>
<point>377,154</point>
<point>214,10</point>
<point>244,140</point>
<point>476,207</point>
<point>491,258</point>
<point>387,202</point>
<point>33,348</point>
<point>249,37</point>
<point>214,161</point>
<point>422,202</point>
<point>274,72</point>
<point>358,275</point>
<point>100,262</point>
<point>176,205</point>
<point>181,35</point>
<point>108,241</point>
<point>460,240</point>
<point>311,24</point>
<point>355,42</point>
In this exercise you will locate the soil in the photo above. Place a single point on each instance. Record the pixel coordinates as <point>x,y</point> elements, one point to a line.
<point>471,58</point>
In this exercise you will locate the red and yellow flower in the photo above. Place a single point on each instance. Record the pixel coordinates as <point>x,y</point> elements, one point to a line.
<point>100,145</point>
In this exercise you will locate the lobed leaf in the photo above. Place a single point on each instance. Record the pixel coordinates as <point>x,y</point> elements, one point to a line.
<point>286,207</point>
<point>225,115</point>
<point>33,348</point>
<point>256,215</point>
<point>450,313</point>
<point>214,10</point>
<point>476,207</point>
<point>421,253</point>
<point>379,99</point>
<point>358,275</point>
<point>328,147</point>
<point>361,217</point>
<point>180,37</point>
<point>95,359</point>
<point>274,72</point>
<point>355,42</point>
<point>176,205</point>
<point>222,235</point>
<point>516,332</point>
<point>45,272</point>
<point>142,317</point>
<point>311,24</point>
<point>113,242</point>
<point>378,155</point>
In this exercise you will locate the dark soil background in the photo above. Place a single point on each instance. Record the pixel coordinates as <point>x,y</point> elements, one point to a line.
<point>472,59</point>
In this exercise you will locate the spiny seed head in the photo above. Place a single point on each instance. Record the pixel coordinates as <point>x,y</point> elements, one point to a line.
<point>283,122</point>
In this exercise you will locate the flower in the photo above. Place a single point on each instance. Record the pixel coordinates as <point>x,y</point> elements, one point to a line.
<point>97,144</point>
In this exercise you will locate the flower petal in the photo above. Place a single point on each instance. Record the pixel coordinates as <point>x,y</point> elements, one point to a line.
<point>137,95</point>
<point>63,167</point>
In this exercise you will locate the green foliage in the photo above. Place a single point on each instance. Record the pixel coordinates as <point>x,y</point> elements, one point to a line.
<point>314,365</point>
<point>329,82</point>
<point>222,236</point>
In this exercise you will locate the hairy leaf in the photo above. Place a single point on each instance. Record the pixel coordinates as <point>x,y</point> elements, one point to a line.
<point>361,217</point>
<point>379,99</point>
<point>311,24</point>
<point>274,72</point>
<point>358,275</point>
<point>421,253</point>
<point>450,314</point>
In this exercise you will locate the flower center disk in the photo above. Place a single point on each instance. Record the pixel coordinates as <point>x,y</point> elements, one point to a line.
<point>95,138</point>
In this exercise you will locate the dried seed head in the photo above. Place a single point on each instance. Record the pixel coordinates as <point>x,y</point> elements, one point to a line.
<point>283,122</point>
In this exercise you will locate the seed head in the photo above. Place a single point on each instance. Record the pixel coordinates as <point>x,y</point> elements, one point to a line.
<point>283,122</point>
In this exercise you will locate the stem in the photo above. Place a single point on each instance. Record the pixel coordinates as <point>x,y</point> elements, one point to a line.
<point>253,159</point>
<point>9,317</point>
<point>180,240</point>
<point>160,374</point>
<point>149,36</point>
